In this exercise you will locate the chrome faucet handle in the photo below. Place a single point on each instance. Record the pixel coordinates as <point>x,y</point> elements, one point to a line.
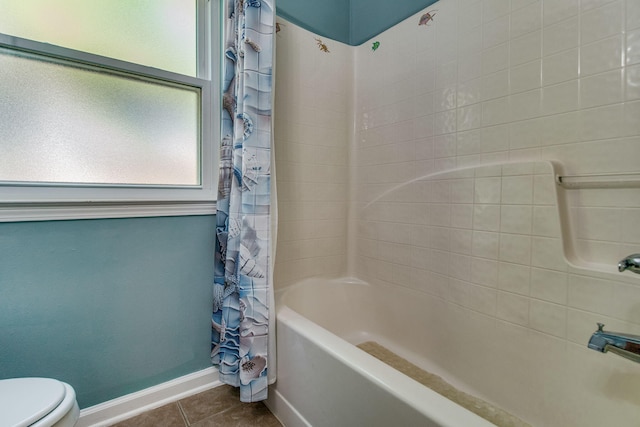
<point>622,344</point>
<point>631,263</point>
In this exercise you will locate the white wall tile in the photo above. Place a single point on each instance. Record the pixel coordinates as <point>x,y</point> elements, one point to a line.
<point>495,85</point>
<point>526,77</point>
<point>561,128</point>
<point>560,98</point>
<point>462,191</point>
<point>469,118</point>
<point>558,10</point>
<point>470,16</point>
<point>560,67</point>
<point>549,285</point>
<point>492,9</point>
<point>602,22</point>
<point>513,308</point>
<point>526,19</point>
<point>525,134</point>
<point>590,294</point>
<point>632,14</point>
<point>517,190</point>
<point>514,278</point>
<point>526,105</point>
<point>495,32</point>
<point>485,272</point>
<point>602,55</point>
<point>601,89</point>
<point>470,65</point>
<point>515,248</point>
<point>495,59</point>
<point>462,216</point>
<point>546,221</point>
<point>548,253</point>
<point>586,5</point>
<point>525,48</point>
<point>602,122</point>
<point>516,219</point>
<point>495,138</point>
<point>485,244</point>
<point>486,217</point>
<point>495,111</point>
<point>488,190</point>
<point>633,47</point>
<point>632,83</point>
<point>548,318</point>
<point>561,36</point>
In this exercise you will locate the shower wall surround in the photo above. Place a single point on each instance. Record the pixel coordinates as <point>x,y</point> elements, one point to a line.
<point>484,82</point>
<point>494,81</point>
<point>499,80</point>
<point>313,123</point>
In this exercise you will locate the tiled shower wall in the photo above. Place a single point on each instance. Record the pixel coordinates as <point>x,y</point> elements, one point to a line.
<point>494,81</point>
<point>312,129</point>
<point>487,81</point>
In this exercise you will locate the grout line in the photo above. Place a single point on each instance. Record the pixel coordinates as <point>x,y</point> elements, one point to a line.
<point>184,414</point>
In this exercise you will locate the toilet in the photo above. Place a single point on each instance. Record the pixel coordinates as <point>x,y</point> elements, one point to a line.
<point>37,402</point>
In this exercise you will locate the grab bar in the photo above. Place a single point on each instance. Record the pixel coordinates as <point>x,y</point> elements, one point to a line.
<point>602,180</point>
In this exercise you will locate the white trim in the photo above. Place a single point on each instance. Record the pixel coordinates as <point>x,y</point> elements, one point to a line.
<point>130,405</point>
<point>284,411</point>
<point>125,209</point>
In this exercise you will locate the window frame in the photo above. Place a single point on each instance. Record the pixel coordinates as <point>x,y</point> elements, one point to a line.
<point>22,201</point>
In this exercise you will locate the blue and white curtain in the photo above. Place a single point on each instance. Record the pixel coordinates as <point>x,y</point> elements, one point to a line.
<point>242,332</point>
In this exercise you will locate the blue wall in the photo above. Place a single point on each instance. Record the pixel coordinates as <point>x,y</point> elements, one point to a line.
<point>352,22</point>
<point>111,306</point>
<point>371,17</point>
<point>328,18</point>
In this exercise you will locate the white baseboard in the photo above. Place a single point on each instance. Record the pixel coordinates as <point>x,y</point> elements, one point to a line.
<point>133,404</point>
<point>284,411</point>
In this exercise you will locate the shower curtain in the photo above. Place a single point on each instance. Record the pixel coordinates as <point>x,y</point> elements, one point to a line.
<point>243,330</point>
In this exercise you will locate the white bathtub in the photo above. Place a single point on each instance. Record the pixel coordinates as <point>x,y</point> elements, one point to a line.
<point>325,380</point>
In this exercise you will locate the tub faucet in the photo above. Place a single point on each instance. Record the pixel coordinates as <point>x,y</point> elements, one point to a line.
<point>631,263</point>
<point>625,345</point>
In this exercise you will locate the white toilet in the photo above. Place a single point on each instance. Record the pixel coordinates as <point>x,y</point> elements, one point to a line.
<point>37,402</point>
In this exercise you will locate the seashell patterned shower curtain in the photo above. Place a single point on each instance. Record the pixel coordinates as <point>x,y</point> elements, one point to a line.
<point>243,332</point>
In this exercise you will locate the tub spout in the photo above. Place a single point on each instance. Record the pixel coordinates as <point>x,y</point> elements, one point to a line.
<point>631,263</point>
<point>625,345</point>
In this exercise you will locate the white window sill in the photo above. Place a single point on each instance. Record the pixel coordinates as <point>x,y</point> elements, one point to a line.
<point>38,211</point>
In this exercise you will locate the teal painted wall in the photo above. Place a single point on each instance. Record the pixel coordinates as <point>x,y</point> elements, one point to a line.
<point>371,17</point>
<point>111,306</point>
<point>352,22</point>
<point>328,18</point>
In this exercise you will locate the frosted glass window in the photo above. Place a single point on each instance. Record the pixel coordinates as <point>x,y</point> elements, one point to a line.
<point>65,124</point>
<point>156,33</point>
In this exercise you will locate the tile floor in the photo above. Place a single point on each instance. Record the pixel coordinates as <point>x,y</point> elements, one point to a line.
<point>218,407</point>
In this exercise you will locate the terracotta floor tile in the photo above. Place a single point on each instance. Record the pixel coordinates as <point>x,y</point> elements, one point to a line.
<point>244,415</point>
<point>164,416</point>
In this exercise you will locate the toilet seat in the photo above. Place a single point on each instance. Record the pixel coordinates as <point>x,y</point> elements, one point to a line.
<point>34,401</point>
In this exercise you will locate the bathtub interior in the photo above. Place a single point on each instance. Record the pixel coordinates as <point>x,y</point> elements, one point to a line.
<point>438,323</point>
